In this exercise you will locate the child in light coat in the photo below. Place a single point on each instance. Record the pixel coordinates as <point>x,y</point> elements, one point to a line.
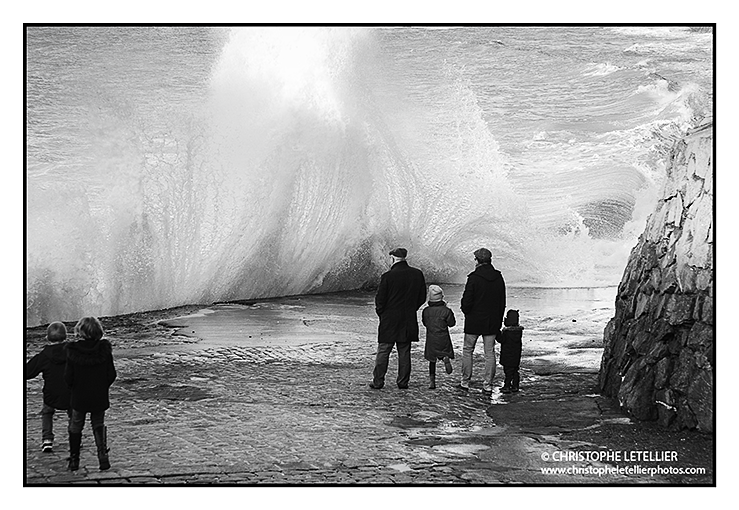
<point>438,318</point>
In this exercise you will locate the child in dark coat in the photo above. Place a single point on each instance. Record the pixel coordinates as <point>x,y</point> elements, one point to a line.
<point>438,318</point>
<point>89,374</point>
<point>50,363</point>
<point>510,350</point>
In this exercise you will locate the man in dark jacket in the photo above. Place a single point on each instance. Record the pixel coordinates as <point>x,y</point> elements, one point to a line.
<point>401,293</point>
<point>50,363</point>
<point>483,305</point>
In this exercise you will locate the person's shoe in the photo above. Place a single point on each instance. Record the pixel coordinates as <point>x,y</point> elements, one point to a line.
<point>463,388</point>
<point>47,446</point>
<point>75,442</point>
<point>514,389</point>
<point>402,387</point>
<point>375,386</point>
<point>101,442</point>
<point>448,365</point>
<point>505,389</point>
<point>432,382</point>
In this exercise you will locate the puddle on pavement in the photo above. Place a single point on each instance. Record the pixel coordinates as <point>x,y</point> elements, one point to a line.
<point>172,392</point>
<point>467,449</point>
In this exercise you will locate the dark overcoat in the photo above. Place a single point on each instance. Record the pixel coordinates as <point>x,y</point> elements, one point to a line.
<point>483,301</point>
<point>438,318</point>
<point>50,362</point>
<point>401,293</point>
<point>510,346</point>
<point>90,372</point>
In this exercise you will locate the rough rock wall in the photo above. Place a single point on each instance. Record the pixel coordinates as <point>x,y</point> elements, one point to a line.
<point>658,353</point>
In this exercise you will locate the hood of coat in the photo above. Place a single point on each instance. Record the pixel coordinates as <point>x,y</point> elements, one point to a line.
<point>89,353</point>
<point>55,353</point>
<point>486,271</point>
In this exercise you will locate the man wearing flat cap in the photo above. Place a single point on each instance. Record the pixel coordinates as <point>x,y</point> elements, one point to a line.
<point>401,293</point>
<point>483,306</point>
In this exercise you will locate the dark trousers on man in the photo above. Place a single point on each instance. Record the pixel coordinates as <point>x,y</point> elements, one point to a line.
<point>382,359</point>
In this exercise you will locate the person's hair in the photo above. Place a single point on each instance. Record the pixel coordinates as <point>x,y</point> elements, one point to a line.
<point>483,256</point>
<point>89,328</point>
<point>56,332</point>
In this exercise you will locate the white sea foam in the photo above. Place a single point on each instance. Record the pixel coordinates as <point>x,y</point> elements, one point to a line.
<point>195,165</point>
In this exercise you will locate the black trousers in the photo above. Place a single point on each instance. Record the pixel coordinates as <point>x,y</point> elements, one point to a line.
<point>512,377</point>
<point>382,360</point>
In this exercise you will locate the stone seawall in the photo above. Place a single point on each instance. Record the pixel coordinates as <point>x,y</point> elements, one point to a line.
<point>658,357</point>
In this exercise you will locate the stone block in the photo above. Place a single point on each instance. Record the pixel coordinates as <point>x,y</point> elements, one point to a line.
<point>662,371</point>
<point>680,308</point>
<point>656,223</point>
<point>707,310</point>
<point>662,330</point>
<point>666,415</point>
<point>657,351</point>
<point>674,213</point>
<point>694,188</point>
<point>683,372</point>
<point>701,336</point>
<point>669,284</point>
<point>655,278</point>
<point>636,393</point>
<point>686,276</point>
<point>685,417</point>
<point>666,397</point>
<point>703,278</point>
<point>678,340</point>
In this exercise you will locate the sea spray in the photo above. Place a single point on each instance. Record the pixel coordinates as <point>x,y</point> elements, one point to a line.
<point>192,165</point>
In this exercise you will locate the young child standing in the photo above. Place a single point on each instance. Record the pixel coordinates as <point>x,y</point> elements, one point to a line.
<point>50,363</point>
<point>510,350</point>
<point>438,318</point>
<point>90,372</point>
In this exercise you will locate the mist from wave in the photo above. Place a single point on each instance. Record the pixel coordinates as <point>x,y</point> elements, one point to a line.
<point>174,166</point>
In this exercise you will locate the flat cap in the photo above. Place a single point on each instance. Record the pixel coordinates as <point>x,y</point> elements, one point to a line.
<point>483,255</point>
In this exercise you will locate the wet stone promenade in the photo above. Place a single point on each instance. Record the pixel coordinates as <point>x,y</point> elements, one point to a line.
<point>185,412</point>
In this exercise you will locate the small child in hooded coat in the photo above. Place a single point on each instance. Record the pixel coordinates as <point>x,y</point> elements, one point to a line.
<point>510,350</point>
<point>437,318</point>
<point>50,362</point>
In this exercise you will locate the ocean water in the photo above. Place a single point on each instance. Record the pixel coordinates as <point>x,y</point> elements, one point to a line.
<point>175,165</point>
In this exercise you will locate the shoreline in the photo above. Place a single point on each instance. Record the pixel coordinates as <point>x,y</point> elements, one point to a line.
<point>313,382</point>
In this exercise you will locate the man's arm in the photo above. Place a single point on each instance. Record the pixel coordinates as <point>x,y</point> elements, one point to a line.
<point>467,297</point>
<point>421,298</point>
<point>381,296</point>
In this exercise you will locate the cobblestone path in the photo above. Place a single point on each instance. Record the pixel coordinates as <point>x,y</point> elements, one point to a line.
<point>289,415</point>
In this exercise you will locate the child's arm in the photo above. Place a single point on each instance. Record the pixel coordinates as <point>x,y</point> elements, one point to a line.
<point>451,321</point>
<point>112,374</point>
<point>34,366</point>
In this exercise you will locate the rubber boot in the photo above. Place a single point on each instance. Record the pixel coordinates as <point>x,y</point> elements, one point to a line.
<point>75,442</point>
<point>101,439</point>
<point>432,375</point>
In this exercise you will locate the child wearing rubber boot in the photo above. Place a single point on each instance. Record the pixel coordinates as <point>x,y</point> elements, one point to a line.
<point>510,350</point>
<point>89,373</point>
<point>438,318</point>
<point>50,363</point>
